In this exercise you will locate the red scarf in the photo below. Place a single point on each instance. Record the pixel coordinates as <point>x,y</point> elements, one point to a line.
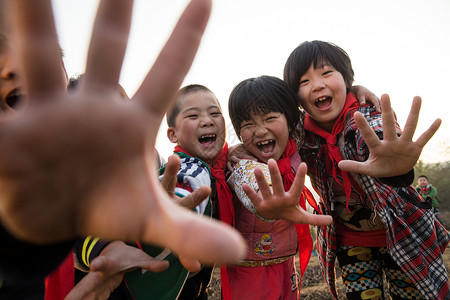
<point>334,155</point>
<point>225,199</point>
<point>284,164</point>
<point>303,233</point>
<point>61,281</point>
<point>224,194</point>
<point>425,190</point>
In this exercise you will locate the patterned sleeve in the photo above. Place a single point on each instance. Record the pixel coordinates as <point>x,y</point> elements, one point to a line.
<point>191,176</point>
<point>85,250</point>
<point>243,173</point>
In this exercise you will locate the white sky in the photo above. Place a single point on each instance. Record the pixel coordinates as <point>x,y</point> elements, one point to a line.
<point>399,47</point>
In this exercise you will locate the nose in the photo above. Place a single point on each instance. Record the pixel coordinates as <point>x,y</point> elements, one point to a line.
<point>260,130</point>
<point>318,85</point>
<point>8,70</point>
<point>206,121</point>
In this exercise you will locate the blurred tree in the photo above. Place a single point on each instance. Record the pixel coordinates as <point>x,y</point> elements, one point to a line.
<point>439,176</point>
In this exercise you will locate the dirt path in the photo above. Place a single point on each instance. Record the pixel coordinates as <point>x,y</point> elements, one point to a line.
<point>313,285</point>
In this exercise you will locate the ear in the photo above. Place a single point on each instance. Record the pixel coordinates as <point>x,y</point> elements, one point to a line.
<point>172,134</point>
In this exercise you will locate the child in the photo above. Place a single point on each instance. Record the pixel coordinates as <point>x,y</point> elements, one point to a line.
<point>378,222</point>
<point>426,190</point>
<point>262,116</point>
<point>197,126</point>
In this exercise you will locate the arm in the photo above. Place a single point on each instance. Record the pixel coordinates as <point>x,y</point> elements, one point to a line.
<point>108,269</point>
<point>83,163</point>
<point>236,153</point>
<point>363,93</point>
<point>393,155</point>
<point>276,203</point>
<point>433,192</point>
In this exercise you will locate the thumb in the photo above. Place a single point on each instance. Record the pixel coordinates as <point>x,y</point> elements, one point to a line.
<point>192,265</point>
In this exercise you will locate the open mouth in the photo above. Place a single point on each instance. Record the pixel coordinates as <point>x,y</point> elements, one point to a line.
<point>13,98</point>
<point>207,139</point>
<point>266,147</point>
<point>323,102</point>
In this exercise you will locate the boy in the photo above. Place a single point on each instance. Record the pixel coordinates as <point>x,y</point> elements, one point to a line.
<point>378,222</point>
<point>426,190</point>
<point>197,127</point>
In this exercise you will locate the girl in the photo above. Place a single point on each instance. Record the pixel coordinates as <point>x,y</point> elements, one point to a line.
<point>262,116</point>
<point>380,224</point>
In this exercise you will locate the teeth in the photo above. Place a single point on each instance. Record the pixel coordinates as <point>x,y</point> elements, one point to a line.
<point>15,93</point>
<point>208,136</point>
<point>322,99</point>
<point>265,142</point>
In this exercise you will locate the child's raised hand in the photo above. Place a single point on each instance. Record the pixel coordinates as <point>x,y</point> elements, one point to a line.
<point>108,269</point>
<point>82,163</point>
<point>190,201</point>
<point>275,203</point>
<point>394,155</point>
<point>169,182</point>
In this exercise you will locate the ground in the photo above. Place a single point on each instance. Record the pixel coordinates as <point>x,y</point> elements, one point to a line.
<point>313,285</point>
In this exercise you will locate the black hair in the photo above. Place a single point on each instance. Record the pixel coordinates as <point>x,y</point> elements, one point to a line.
<point>262,94</point>
<point>175,110</point>
<point>317,52</point>
<point>424,176</point>
<point>74,82</point>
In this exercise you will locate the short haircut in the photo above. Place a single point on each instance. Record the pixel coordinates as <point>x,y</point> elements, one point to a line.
<point>423,176</point>
<point>74,82</point>
<point>175,110</point>
<point>261,95</point>
<point>316,53</point>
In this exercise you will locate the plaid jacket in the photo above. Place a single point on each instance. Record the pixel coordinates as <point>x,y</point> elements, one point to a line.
<point>415,239</point>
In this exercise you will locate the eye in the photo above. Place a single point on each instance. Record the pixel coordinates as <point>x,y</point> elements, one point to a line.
<point>273,116</point>
<point>327,72</point>
<point>304,82</point>
<point>193,116</point>
<point>216,114</point>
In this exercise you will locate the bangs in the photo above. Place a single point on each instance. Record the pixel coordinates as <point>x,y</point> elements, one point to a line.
<point>260,96</point>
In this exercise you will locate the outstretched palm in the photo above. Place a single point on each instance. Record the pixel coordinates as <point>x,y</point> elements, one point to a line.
<point>393,155</point>
<point>83,163</point>
<point>276,203</point>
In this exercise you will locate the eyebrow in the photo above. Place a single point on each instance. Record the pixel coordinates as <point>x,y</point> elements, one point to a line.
<point>196,108</point>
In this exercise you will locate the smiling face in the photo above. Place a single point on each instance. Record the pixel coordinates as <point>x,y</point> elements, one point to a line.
<point>10,85</point>
<point>199,126</point>
<point>322,94</point>
<point>422,182</point>
<point>265,135</point>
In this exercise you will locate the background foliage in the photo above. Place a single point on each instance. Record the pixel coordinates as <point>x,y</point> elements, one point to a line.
<point>439,176</point>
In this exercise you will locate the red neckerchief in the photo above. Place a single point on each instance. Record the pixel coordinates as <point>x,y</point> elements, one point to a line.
<point>224,194</point>
<point>225,200</point>
<point>334,155</point>
<point>284,164</point>
<point>61,281</point>
<point>425,190</point>
<point>303,233</point>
